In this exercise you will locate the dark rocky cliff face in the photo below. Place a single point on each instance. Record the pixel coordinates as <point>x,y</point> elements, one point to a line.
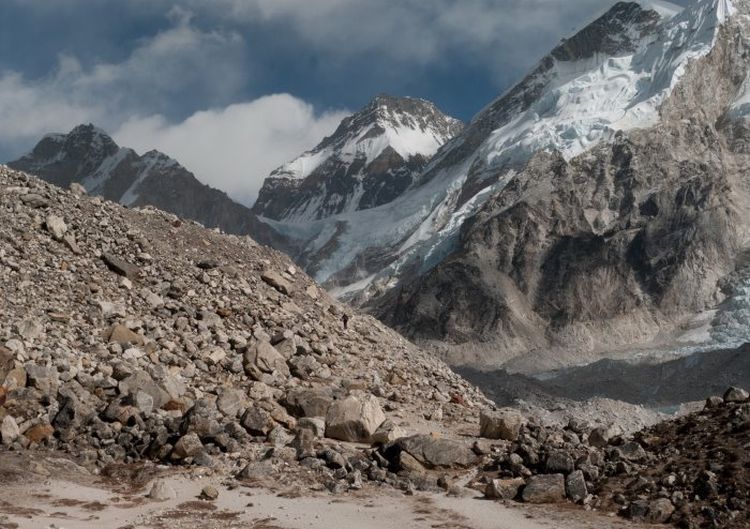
<point>617,246</point>
<point>90,157</point>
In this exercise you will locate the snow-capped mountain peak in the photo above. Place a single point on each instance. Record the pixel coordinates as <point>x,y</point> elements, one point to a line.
<point>613,75</point>
<point>370,158</point>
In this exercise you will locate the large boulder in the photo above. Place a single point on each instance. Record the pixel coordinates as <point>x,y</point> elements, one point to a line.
<point>277,281</point>
<point>501,424</point>
<point>141,381</point>
<point>547,488</point>
<point>436,452</point>
<point>575,486</point>
<point>305,402</point>
<point>354,419</point>
<point>264,358</point>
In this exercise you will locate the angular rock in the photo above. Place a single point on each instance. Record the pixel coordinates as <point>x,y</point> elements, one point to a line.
<point>600,437</point>
<point>501,424</point>
<point>303,402</point>
<point>161,490</point>
<point>257,421</point>
<point>548,488</point>
<point>435,452</point>
<point>735,394</point>
<point>504,489</point>
<point>230,402</point>
<point>56,226</point>
<point>387,433</point>
<point>275,280</point>
<point>140,381</point>
<point>575,486</point>
<point>121,266</point>
<point>354,419</point>
<point>559,462</point>
<point>264,358</point>
<point>187,446</point>
<point>9,431</point>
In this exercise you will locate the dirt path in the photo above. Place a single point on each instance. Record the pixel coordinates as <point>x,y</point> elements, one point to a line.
<point>63,504</point>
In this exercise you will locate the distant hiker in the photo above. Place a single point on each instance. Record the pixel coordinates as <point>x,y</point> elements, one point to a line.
<point>345,319</point>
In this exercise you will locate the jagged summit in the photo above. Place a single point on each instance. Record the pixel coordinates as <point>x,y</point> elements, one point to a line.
<point>371,158</point>
<point>89,156</point>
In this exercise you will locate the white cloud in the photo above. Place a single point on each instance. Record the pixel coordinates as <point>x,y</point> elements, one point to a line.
<point>181,61</point>
<point>235,148</point>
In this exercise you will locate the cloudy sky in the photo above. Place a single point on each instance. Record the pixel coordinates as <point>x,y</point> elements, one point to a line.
<point>234,88</point>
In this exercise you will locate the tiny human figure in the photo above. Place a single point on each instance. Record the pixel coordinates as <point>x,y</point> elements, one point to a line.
<point>345,319</point>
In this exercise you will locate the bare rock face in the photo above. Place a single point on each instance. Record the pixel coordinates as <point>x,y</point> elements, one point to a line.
<point>600,250</point>
<point>354,419</point>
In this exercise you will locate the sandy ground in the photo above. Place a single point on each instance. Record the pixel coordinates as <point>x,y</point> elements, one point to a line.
<point>65,500</point>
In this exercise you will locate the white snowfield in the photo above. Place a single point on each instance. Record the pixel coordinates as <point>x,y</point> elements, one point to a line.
<point>582,104</point>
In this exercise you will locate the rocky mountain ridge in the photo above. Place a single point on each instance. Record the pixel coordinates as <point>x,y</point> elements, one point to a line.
<point>89,156</point>
<point>371,158</point>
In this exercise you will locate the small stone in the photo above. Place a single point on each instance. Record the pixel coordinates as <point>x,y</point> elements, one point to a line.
<point>162,491</point>
<point>56,226</point>
<point>9,431</point>
<point>120,266</point>
<point>735,394</point>
<point>714,402</point>
<point>30,329</point>
<point>209,493</point>
<point>504,489</point>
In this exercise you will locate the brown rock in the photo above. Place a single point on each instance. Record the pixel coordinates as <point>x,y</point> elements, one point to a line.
<point>40,432</point>
<point>122,335</point>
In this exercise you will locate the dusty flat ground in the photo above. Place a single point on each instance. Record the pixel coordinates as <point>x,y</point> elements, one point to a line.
<point>56,494</point>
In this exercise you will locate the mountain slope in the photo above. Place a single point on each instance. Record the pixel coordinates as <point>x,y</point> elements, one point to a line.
<point>613,75</point>
<point>624,244</point>
<point>87,155</point>
<point>369,160</point>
